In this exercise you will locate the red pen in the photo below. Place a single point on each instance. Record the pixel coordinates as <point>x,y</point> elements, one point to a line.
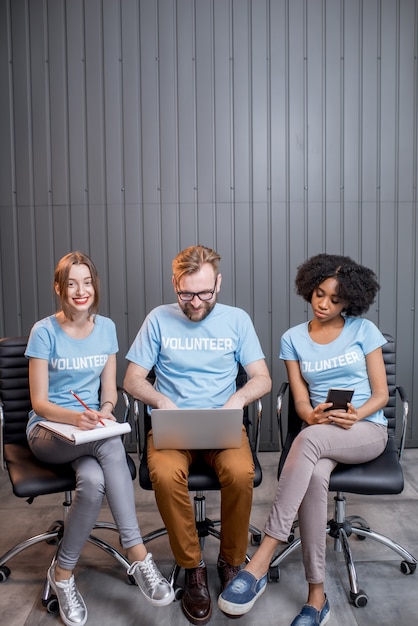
<point>85,405</point>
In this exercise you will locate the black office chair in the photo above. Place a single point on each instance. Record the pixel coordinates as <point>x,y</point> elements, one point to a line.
<point>202,477</point>
<point>381,476</point>
<point>29,477</point>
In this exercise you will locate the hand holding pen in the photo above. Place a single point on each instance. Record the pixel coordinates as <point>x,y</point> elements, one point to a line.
<point>85,406</point>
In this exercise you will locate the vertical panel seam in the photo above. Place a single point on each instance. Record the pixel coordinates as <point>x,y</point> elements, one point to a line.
<point>232,137</point>
<point>378,130</point>
<point>342,119</point>
<point>360,130</point>
<point>305,119</point>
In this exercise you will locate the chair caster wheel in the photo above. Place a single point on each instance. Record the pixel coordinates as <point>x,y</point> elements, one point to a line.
<point>359,599</point>
<point>51,604</point>
<point>408,568</point>
<point>359,537</point>
<point>4,573</point>
<point>178,593</point>
<point>274,574</point>
<point>58,528</point>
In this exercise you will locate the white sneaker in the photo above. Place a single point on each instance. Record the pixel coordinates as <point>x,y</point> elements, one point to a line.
<point>73,611</point>
<point>151,582</point>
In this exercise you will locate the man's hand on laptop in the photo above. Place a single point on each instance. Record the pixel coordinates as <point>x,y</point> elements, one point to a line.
<point>166,403</point>
<point>234,402</point>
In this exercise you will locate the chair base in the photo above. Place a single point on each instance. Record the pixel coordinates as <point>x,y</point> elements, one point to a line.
<point>340,528</point>
<point>53,536</point>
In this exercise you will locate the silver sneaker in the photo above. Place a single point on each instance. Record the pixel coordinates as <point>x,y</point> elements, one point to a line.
<point>151,582</point>
<point>73,611</point>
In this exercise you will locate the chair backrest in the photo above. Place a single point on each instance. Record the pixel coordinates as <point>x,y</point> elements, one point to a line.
<point>294,423</point>
<point>389,357</point>
<point>14,389</point>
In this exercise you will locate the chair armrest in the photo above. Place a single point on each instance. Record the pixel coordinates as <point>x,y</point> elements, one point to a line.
<point>2,462</point>
<point>126,407</point>
<point>137,423</point>
<point>259,416</point>
<point>279,406</point>
<point>405,410</point>
<point>126,403</point>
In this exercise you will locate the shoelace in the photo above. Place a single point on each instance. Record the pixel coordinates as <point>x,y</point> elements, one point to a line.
<point>197,577</point>
<point>229,571</point>
<point>71,598</point>
<point>149,572</point>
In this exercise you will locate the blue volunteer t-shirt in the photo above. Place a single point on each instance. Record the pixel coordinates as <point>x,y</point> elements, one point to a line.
<point>341,363</point>
<point>196,363</point>
<point>74,364</point>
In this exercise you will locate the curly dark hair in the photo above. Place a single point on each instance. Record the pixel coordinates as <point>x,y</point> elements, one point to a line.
<point>357,284</point>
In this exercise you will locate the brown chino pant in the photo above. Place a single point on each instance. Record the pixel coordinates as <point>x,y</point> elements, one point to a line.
<point>235,469</point>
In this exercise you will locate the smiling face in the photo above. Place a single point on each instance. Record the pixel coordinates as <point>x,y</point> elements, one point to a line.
<point>203,282</point>
<point>77,294</point>
<point>325,302</point>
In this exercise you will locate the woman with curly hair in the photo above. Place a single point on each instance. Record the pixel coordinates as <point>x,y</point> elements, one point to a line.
<point>336,348</point>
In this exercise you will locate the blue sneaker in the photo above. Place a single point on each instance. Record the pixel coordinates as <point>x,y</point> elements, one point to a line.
<point>309,616</point>
<point>241,593</point>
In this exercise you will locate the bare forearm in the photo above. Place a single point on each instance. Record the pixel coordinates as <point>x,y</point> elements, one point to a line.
<point>143,390</point>
<point>255,388</point>
<point>55,413</point>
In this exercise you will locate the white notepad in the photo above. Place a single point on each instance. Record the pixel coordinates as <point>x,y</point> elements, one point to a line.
<point>196,429</point>
<point>76,436</point>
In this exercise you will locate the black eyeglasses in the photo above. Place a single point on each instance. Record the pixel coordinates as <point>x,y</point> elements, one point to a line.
<point>187,296</point>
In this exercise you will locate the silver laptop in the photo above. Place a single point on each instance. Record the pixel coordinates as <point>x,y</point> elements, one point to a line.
<point>196,429</point>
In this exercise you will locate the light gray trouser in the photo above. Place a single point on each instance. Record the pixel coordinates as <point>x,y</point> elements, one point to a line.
<point>303,485</point>
<point>101,469</point>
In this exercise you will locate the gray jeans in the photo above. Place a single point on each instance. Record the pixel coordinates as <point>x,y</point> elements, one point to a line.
<point>303,486</point>
<point>101,469</point>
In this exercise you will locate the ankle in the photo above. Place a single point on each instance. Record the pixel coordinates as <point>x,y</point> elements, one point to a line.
<point>62,574</point>
<point>137,553</point>
<point>317,599</point>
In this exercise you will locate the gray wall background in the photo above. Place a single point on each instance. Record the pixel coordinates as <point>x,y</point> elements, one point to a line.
<point>268,129</point>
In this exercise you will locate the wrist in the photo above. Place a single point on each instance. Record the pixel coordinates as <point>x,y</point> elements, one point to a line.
<point>108,405</point>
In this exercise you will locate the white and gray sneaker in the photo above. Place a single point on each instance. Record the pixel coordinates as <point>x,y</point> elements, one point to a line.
<point>151,582</point>
<point>73,611</point>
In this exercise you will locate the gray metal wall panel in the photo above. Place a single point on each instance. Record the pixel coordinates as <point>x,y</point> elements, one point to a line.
<point>6,108</point>
<point>186,111</point>
<point>58,106</point>
<point>222,100</point>
<point>241,113</point>
<point>269,129</point>
<point>96,104</point>
<point>130,94</point>
<point>149,104</point>
<point>352,102</point>
<point>76,103</point>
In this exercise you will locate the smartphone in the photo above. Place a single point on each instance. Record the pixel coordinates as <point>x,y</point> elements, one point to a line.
<point>339,397</point>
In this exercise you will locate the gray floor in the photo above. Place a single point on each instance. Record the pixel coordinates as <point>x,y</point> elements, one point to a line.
<point>393,597</point>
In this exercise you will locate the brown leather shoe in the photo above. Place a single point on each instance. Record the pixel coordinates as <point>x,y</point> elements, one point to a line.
<point>226,572</point>
<point>196,601</point>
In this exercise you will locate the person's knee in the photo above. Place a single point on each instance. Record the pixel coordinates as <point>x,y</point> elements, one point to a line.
<point>319,479</point>
<point>91,484</point>
<point>165,475</point>
<point>239,475</point>
<point>113,449</point>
